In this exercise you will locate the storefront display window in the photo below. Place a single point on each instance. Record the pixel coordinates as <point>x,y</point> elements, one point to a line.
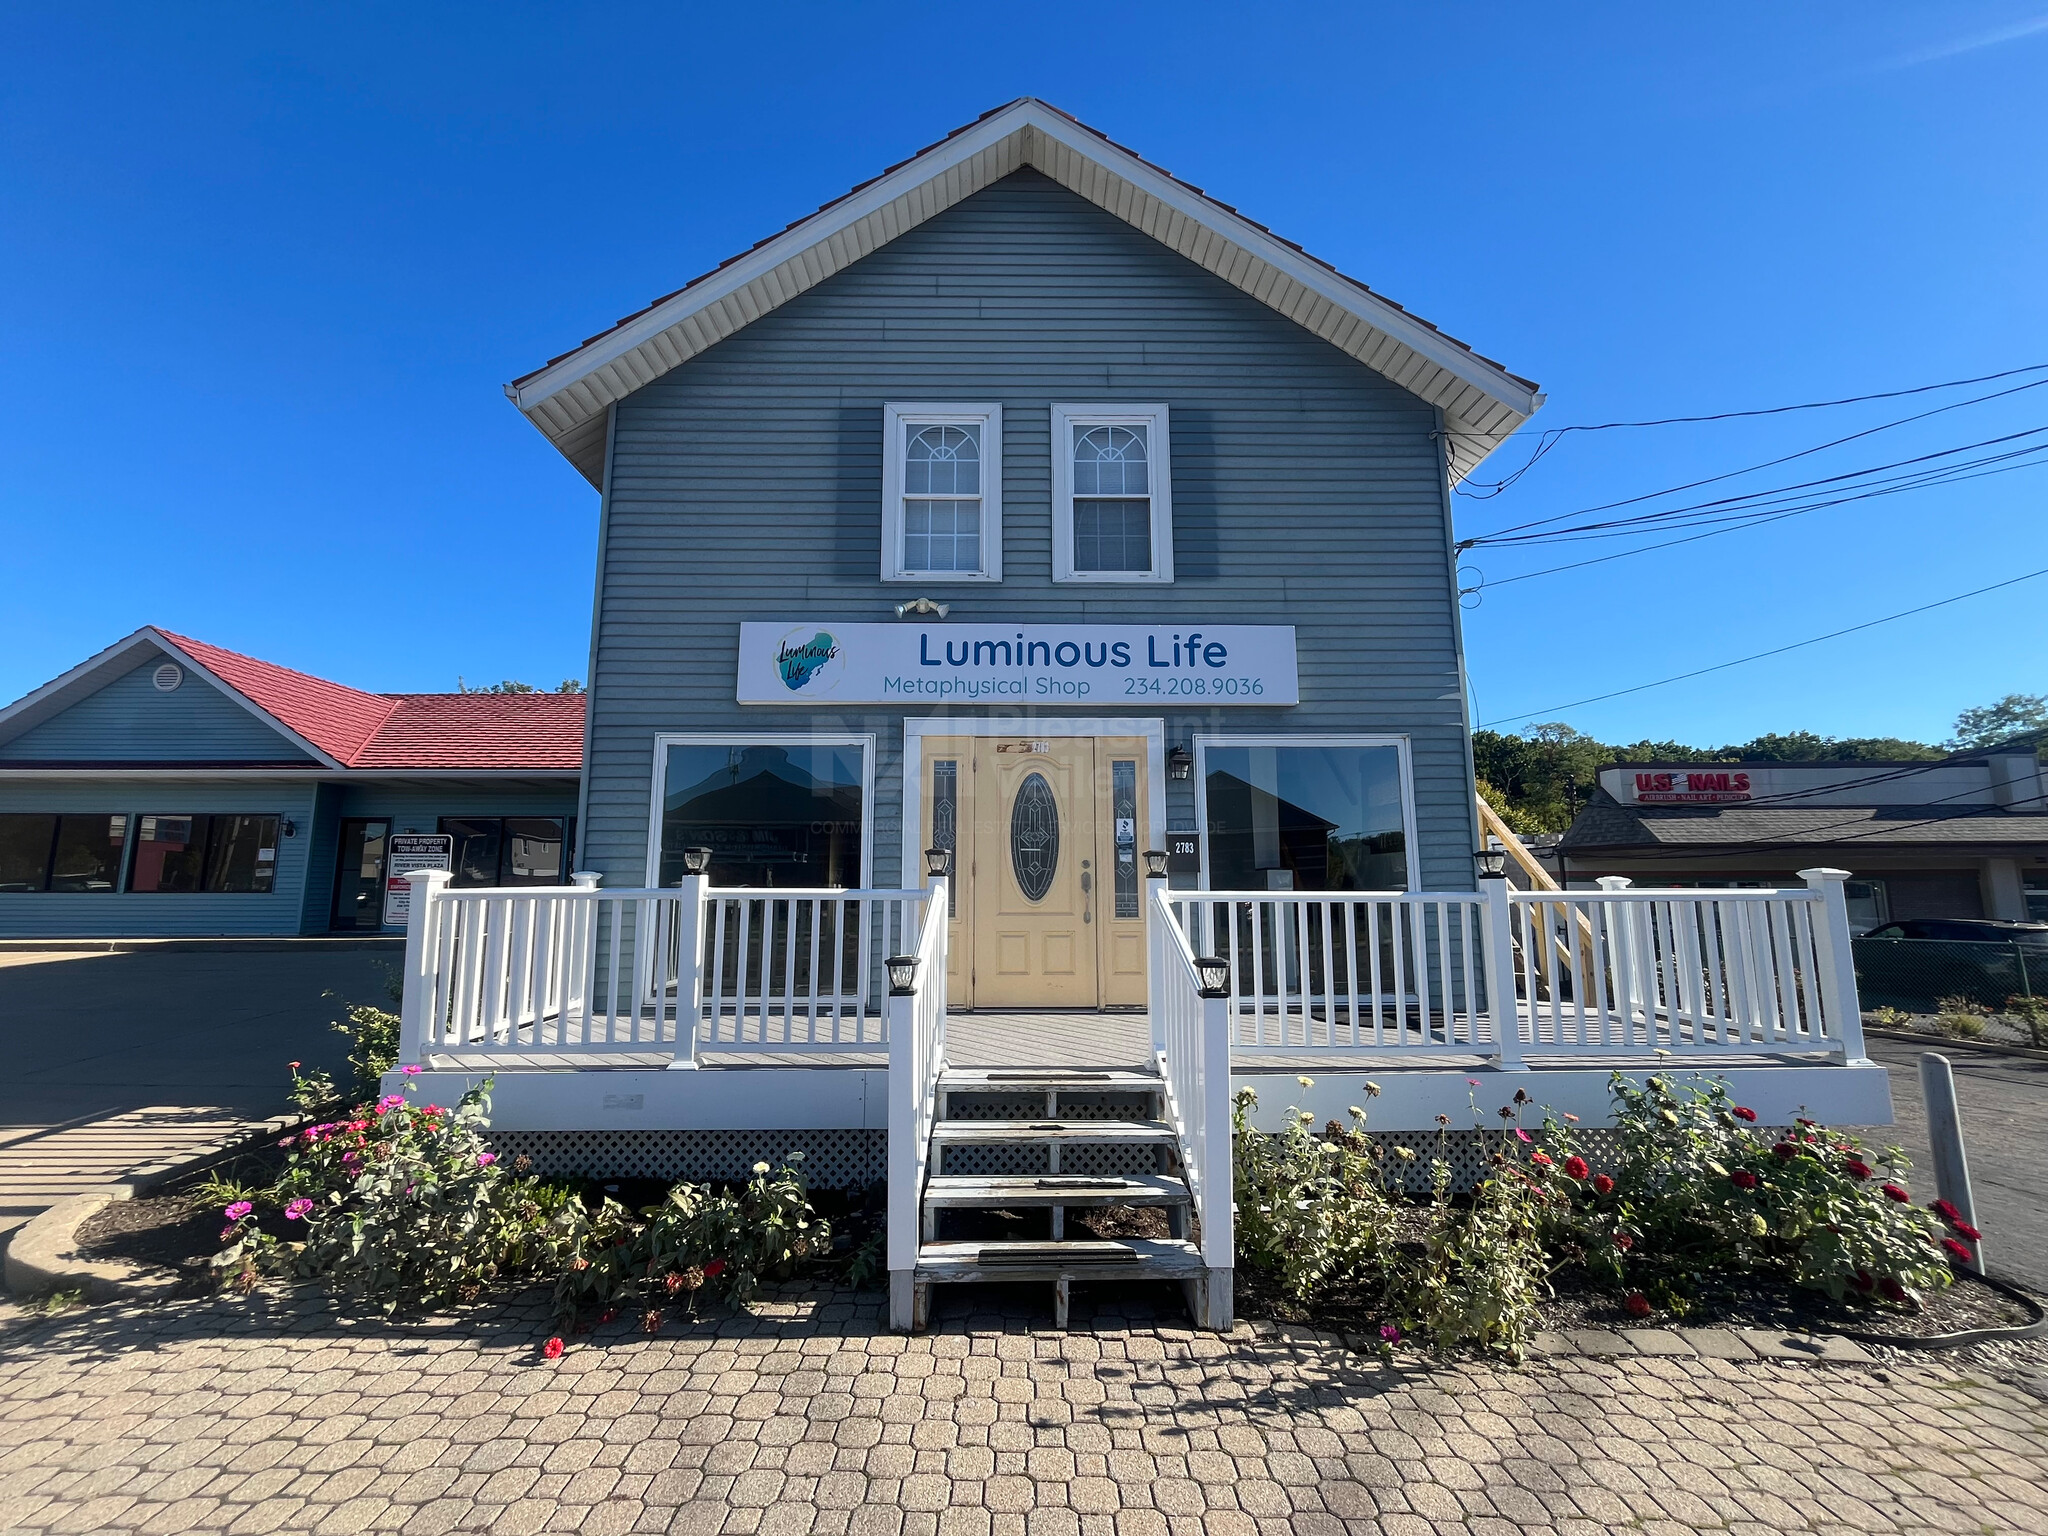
<point>234,855</point>
<point>1322,816</point>
<point>61,853</point>
<point>509,850</point>
<point>789,814</point>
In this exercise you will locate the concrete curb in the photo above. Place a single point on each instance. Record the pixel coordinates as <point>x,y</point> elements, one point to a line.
<point>42,1256</point>
<point>1947,1043</point>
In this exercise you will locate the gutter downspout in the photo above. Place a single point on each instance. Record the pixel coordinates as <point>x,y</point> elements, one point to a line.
<point>604,523</point>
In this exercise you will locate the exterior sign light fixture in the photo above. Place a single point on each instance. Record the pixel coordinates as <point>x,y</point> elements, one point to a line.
<point>1492,862</point>
<point>902,975</point>
<point>938,862</point>
<point>1180,763</point>
<point>696,860</point>
<point>1155,863</point>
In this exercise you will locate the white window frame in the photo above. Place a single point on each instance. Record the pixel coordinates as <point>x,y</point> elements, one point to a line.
<point>1225,739</point>
<point>899,421</point>
<point>1159,451</point>
<point>740,738</point>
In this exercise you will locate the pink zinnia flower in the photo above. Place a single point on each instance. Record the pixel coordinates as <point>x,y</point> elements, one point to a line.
<point>1390,1333</point>
<point>485,1159</point>
<point>297,1209</point>
<point>552,1349</point>
<point>238,1210</point>
<point>1523,1135</point>
<point>410,1071</point>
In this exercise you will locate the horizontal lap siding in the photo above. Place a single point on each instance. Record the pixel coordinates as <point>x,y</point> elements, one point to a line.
<point>130,721</point>
<point>164,914</point>
<point>747,485</point>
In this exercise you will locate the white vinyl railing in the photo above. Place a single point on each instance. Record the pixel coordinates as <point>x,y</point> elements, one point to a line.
<point>1369,970</point>
<point>1513,973</point>
<point>1191,1036</point>
<point>917,1054</point>
<point>1693,971</point>
<point>574,970</point>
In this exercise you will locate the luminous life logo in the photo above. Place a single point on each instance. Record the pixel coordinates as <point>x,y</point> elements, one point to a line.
<point>797,661</point>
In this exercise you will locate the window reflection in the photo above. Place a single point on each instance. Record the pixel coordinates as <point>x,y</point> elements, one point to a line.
<point>1305,818</point>
<point>771,816</point>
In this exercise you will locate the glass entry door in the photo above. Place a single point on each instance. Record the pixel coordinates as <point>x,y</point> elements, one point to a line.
<point>359,876</point>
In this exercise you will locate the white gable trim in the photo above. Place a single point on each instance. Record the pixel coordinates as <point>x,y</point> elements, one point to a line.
<point>1482,402</point>
<point>92,674</point>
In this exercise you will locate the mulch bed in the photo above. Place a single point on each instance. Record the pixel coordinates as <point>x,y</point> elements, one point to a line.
<point>1717,1301</point>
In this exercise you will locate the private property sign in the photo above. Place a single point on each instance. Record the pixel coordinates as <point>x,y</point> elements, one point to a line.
<point>1704,788</point>
<point>1017,664</point>
<point>410,851</point>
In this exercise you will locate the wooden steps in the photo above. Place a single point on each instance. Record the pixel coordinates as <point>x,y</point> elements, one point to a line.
<point>990,1191</point>
<point>956,1133</point>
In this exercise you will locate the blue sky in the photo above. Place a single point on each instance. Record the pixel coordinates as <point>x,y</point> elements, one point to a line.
<point>263,271</point>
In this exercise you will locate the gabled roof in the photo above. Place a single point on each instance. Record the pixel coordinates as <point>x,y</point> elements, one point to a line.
<point>1606,825</point>
<point>342,727</point>
<point>568,398</point>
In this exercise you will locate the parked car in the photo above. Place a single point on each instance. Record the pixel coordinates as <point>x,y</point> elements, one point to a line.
<point>1964,930</point>
<point>1915,962</point>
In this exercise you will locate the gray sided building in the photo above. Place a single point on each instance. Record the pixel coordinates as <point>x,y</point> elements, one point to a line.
<point>1029,504</point>
<point>167,788</point>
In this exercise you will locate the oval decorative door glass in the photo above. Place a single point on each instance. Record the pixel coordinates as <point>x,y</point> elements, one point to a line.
<point>1034,837</point>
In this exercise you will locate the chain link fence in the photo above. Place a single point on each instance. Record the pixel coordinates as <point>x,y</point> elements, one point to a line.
<point>1944,983</point>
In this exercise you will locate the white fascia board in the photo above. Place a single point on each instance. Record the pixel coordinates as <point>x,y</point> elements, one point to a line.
<point>1396,323</point>
<point>813,231</point>
<point>556,396</point>
<point>228,690</point>
<point>31,709</point>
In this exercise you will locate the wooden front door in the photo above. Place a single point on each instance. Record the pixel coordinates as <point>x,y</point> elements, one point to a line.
<point>1047,902</point>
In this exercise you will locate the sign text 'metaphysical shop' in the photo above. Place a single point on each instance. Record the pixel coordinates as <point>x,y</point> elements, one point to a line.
<point>1017,663</point>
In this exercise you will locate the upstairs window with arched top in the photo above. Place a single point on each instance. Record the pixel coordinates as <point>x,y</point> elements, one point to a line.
<point>1112,507</point>
<point>941,493</point>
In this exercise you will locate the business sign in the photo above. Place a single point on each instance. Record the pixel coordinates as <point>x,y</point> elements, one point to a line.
<point>1708,788</point>
<point>832,663</point>
<point>404,853</point>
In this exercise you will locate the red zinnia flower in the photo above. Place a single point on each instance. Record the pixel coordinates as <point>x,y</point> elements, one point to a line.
<point>1602,1185</point>
<point>1539,1159</point>
<point>1577,1166</point>
<point>1637,1303</point>
<point>1893,1192</point>
<point>552,1349</point>
<point>1742,1178</point>
<point>1623,1241</point>
<point>1857,1168</point>
<point>1862,1280</point>
<point>1891,1289</point>
<point>1743,1114</point>
<point>1964,1229</point>
<point>1946,1211</point>
<point>1802,1120</point>
<point>1955,1249</point>
<point>1785,1149</point>
<point>714,1269</point>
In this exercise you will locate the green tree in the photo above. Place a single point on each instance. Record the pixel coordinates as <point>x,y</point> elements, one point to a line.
<point>1988,724</point>
<point>567,685</point>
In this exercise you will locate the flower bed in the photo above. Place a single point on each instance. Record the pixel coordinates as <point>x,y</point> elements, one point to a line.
<point>1695,1213</point>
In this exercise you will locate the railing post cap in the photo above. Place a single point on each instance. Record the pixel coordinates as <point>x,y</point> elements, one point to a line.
<point>1817,876</point>
<point>1613,882</point>
<point>419,877</point>
<point>585,878</point>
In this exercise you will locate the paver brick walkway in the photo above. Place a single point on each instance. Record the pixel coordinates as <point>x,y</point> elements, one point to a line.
<point>281,1415</point>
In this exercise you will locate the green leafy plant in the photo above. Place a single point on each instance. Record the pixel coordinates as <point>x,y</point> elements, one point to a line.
<point>404,1205</point>
<point>1960,1018</point>
<point>1695,1186</point>
<point>1311,1209</point>
<point>2031,1014</point>
<point>1892,1018</point>
<point>1483,1268</point>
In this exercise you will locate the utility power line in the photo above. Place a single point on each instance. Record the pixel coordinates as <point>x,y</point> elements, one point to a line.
<point>1482,490</point>
<point>1780,650</point>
